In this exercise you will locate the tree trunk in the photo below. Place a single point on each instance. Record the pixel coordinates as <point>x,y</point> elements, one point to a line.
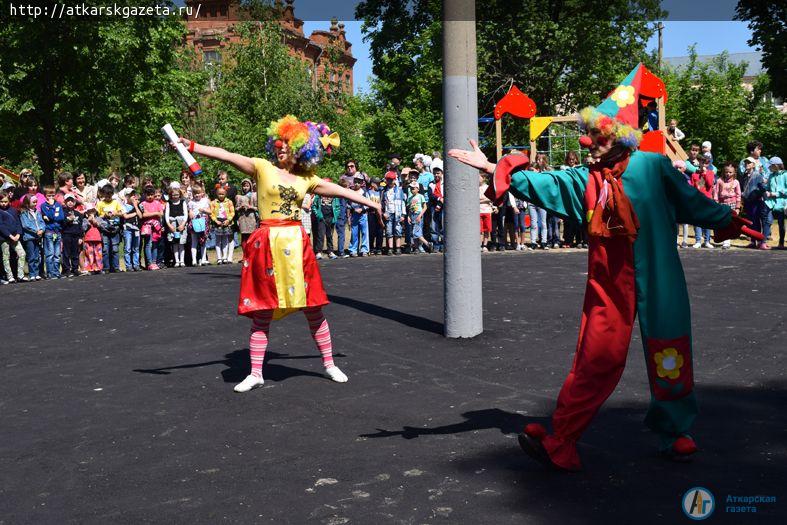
<point>46,154</point>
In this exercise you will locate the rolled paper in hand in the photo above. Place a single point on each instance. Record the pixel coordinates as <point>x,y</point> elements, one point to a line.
<point>192,164</point>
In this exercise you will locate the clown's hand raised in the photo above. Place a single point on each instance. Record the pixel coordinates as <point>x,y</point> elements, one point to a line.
<point>474,158</point>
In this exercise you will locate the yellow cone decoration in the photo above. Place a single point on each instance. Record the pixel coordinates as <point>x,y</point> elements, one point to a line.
<point>538,125</point>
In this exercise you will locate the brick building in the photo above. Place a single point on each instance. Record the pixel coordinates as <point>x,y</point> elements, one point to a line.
<point>212,31</point>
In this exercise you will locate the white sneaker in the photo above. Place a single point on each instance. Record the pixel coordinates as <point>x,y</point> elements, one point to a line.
<point>319,256</point>
<point>250,383</point>
<point>725,245</point>
<point>335,374</point>
<point>697,245</point>
<point>709,245</point>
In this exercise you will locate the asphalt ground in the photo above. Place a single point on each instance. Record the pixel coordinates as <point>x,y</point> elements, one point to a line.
<point>117,403</point>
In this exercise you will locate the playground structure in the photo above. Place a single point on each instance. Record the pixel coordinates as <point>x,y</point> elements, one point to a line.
<point>652,90</point>
<point>8,174</point>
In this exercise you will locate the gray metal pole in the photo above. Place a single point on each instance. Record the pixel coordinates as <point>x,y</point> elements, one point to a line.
<point>462,262</point>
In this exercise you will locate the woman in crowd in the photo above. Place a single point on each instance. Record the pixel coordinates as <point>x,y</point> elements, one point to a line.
<point>85,194</point>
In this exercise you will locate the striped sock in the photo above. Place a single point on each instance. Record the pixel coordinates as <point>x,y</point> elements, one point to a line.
<point>321,334</point>
<point>258,340</point>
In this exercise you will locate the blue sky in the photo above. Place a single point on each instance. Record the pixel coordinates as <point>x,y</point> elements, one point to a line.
<point>711,37</point>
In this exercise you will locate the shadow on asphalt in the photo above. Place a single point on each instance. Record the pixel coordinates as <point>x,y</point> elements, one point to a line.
<point>217,275</point>
<point>238,366</point>
<point>493,418</point>
<point>740,432</point>
<point>412,321</point>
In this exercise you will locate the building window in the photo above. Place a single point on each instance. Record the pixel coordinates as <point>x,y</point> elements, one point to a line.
<point>212,61</point>
<point>212,57</point>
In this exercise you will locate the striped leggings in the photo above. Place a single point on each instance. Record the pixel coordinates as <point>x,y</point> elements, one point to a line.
<point>260,328</point>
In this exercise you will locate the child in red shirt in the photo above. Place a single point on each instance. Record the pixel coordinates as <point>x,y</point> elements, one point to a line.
<point>703,180</point>
<point>91,245</point>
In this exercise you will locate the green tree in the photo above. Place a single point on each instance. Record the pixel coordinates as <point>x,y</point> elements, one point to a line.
<point>711,103</point>
<point>766,123</point>
<point>258,82</point>
<point>564,54</point>
<point>81,92</point>
<point>768,23</point>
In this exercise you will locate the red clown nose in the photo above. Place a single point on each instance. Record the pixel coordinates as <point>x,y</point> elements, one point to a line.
<point>279,143</point>
<point>585,141</point>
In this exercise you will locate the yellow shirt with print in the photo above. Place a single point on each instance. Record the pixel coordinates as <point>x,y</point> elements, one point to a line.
<point>103,207</point>
<point>278,198</point>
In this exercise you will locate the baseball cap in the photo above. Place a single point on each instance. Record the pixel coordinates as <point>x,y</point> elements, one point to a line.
<point>776,160</point>
<point>706,144</point>
<point>390,175</point>
<point>69,196</point>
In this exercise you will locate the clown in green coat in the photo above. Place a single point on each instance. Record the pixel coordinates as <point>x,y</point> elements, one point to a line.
<point>631,202</point>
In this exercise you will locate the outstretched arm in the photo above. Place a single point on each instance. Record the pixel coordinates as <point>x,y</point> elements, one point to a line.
<point>559,192</point>
<point>244,164</point>
<point>691,206</point>
<point>329,189</point>
<point>474,157</point>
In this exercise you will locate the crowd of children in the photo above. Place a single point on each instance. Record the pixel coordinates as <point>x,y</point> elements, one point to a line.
<point>73,228</point>
<point>76,229</point>
<point>755,188</point>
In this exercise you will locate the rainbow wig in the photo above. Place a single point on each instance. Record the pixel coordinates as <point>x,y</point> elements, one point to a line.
<point>303,138</point>
<point>590,117</point>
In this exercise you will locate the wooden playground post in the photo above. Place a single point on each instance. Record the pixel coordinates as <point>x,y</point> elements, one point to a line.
<point>563,118</point>
<point>499,138</point>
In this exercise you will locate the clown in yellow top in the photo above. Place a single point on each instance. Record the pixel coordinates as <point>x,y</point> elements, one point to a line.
<point>280,273</point>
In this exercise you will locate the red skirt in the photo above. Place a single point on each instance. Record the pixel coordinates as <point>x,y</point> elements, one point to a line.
<point>280,271</point>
